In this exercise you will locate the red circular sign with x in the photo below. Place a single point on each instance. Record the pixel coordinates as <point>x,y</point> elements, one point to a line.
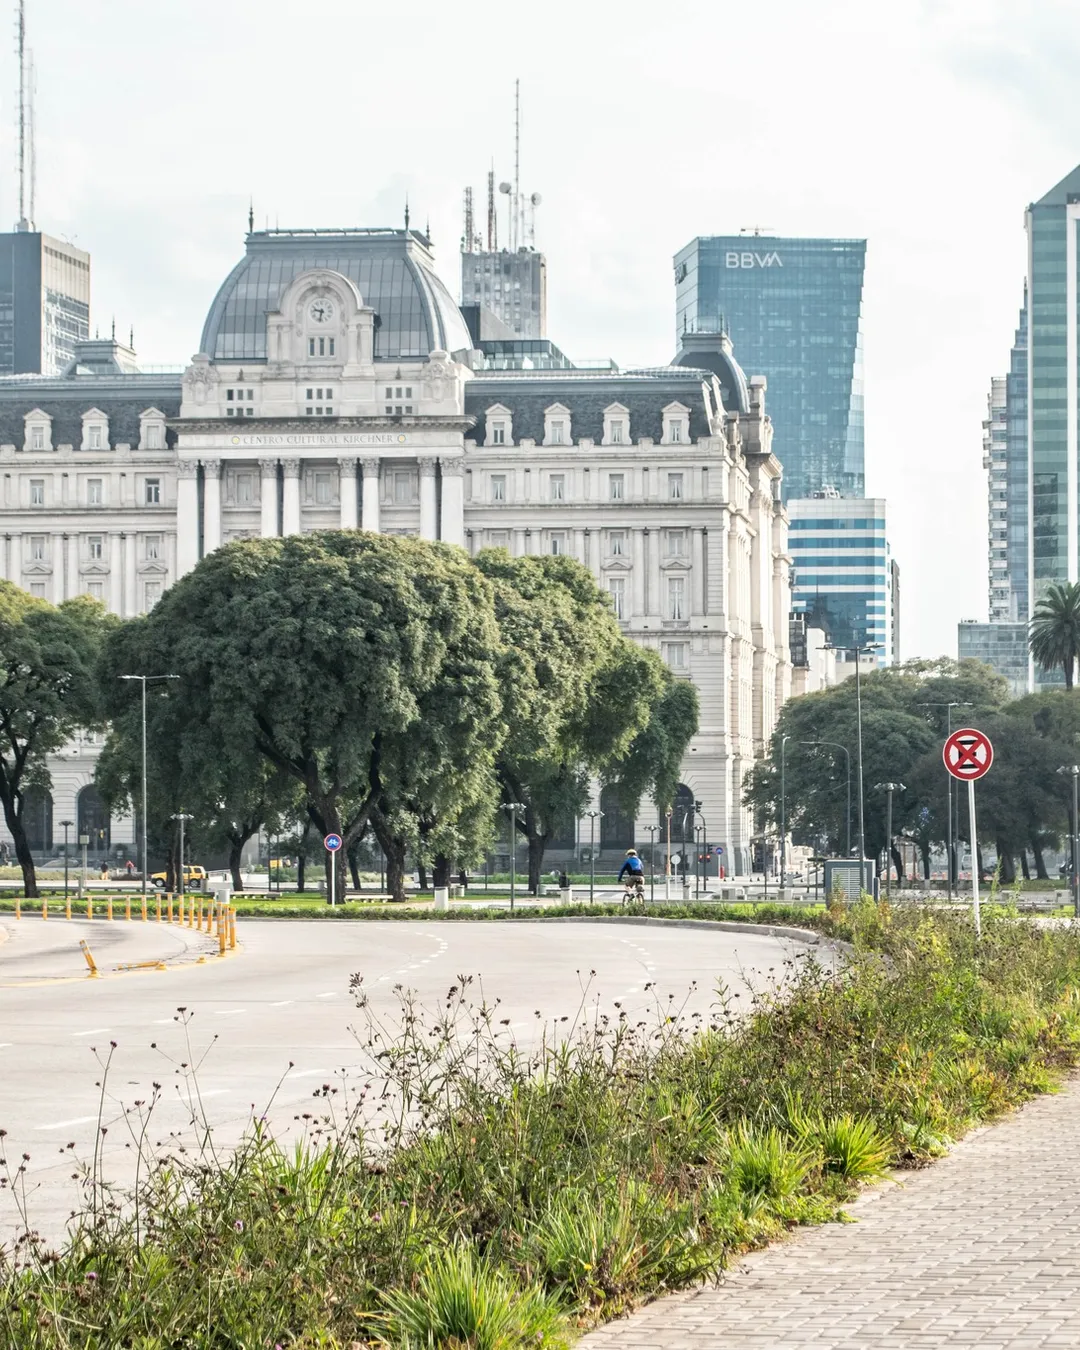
<point>968,754</point>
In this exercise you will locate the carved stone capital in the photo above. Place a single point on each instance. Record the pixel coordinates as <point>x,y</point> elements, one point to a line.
<point>347,464</point>
<point>370,467</point>
<point>268,468</point>
<point>453,468</point>
<point>187,468</point>
<point>427,466</point>
<point>291,468</point>
<point>211,468</point>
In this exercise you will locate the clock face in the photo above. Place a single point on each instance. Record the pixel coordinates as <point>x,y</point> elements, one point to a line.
<point>321,311</point>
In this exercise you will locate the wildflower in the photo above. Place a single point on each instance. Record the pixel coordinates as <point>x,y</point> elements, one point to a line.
<point>92,1275</point>
<point>239,1225</point>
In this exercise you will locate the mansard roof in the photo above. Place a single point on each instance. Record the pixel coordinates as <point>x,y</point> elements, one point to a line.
<point>122,399</point>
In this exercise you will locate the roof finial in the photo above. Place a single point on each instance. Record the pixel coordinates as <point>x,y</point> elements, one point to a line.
<point>131,337</point>
<point>427,229</point>
<point>406,212</point>
<point>251,215</point>
<point>114,328</point>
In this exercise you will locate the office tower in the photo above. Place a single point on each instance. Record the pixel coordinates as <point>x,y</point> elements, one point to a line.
<point>995,462</point>
<point>44,302</point>
<point>843,579</point>
<point>793,309</point>
<point>513,286</point>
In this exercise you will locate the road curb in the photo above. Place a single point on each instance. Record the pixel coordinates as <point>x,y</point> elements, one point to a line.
<point>806,935</point>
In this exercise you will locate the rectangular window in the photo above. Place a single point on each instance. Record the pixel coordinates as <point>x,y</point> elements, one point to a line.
<point>675,433</point>
<point>152,492</point>
<point>675,487</point>
<point>616,543</point>
<point>245,489</point>
<point>37,438</point>
<point>153,547</point>
<point>498,434</point>
<point>558,433</point>
<point>37,548</point>
<point>617,433</point>
<point>310,349</point>
<point>322,489</point>
<point>402,487</point>
<point>95,491</point>
<point>558,543</point>
<point>94,547</point>
<point>499,539</point>
<point>37,491</point>
<point>498,487</point>
<point>95,590</point>
<point>557,487</point>
<point>152,593</point>
<point>37,589</point>
<point>94,438</point>
<point>675,655</point>
<point>154,439</point>
<point>617,591</point>
<point>230,394</point>
<point>676,595</point>
<point>616,486</point>
<point>676,543</point>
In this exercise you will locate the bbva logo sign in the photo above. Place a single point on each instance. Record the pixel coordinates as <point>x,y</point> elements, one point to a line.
<point>754,260</point>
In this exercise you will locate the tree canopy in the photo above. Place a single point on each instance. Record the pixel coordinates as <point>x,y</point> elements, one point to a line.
<point>1055,629</point>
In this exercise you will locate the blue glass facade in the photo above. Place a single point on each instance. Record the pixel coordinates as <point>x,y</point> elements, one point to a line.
<point>841,571</point>
<point>793,309</point>
<point>1016,471</point>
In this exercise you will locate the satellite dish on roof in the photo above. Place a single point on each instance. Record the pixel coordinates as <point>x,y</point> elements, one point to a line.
<point>535,199</point>
<point>504,187</point>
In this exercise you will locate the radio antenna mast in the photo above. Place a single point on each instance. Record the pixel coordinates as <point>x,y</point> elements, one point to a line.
<point>20,43</point>
<point>515,212</point>
<point>31,137</point>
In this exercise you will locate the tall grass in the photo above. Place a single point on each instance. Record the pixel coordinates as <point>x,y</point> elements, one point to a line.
<point>476,1197</point>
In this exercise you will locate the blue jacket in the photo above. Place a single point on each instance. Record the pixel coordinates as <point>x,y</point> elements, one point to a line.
<point>632,865</point>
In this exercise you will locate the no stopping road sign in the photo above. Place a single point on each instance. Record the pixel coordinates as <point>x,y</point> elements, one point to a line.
<point>968,754</point>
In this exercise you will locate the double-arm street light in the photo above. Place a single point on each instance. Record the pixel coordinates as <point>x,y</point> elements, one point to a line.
<point>512,808</point>
<point>592,849</point>
<point>144,680</point>
<point>783,811</point>
<point>847,757</point>
<point>889,789</point>
<point>858,650</point>
<point>1074,880</point>
<point>950,865</point>
<point>182,817</point>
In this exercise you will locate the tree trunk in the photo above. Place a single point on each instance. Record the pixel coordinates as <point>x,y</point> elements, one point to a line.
<point>898,862</point>
<point>1040,865</point>
<point>1008,867</point>
<point>1067,666</point>
<point>537,845</point>
<point>924,853</point>
<point>354,868</point>
<point>440,870</point>
<point>23,856</point>
<point>1024,865</point>
<point>236,848</point>
<point>394,850</point>
<point>421,873</point>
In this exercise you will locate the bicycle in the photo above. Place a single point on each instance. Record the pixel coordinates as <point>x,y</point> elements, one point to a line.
<point>634,890</point>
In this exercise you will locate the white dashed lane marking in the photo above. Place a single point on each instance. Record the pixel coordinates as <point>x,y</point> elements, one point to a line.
<point>95,1031</point>
<point>63,1124</point>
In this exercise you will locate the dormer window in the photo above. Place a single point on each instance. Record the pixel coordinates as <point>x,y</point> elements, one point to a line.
<point>152,429</point>
<point>616,425</point>
<point>676,424</point>
<point>556,425</point>
<point>95,430</point>
<point>498,426</point>
<point>37,430</point>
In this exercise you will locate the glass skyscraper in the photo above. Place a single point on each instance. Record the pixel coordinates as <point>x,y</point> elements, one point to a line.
<point>1016,484</point>
<point>793,310</point>
<point>44,303</point>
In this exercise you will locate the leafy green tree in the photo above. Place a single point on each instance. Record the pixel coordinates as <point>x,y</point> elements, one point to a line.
<point>576,692</point>
<point>48,691</point>
<point>1055,629</point>
<point>653,759</point>
<point>320,656</point>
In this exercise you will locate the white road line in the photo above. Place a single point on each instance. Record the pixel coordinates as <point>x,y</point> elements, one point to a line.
<point>95,1031</point>
<point>333,994</point>
<point>163,1021</point>
<point>307,1073</point>
<point>229,1012</point>
<point>282,1003</point>
<point>63,1124</point>
<point>4,1045</point>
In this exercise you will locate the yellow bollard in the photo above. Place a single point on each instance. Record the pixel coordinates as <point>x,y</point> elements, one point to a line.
<point>170,906</point>
<point>89,905</point>
<point>89,958</point>
<point>18,907</point>
<point>232,926</point>
<point>221,941</point>
<point>190,912</point>
<point>44,908</point>
<point>67,905</point>
<point>157,899</point>
<point>127,907</point>
<point>144,909</point>
<point>108,908</point>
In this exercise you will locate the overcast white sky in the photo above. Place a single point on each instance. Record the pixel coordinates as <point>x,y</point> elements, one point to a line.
<point>924,125</point>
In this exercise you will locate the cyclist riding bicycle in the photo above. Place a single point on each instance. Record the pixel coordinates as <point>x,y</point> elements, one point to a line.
<point>634,870</point>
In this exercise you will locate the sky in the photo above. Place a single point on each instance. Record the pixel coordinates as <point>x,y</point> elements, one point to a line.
<point>925,126</point>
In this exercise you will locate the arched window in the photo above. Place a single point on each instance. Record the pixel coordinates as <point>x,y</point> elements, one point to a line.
<point>93,819</point>
<point>616,825</point>
<point>37,815</point>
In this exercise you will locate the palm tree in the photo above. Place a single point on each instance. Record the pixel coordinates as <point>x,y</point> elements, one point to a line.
<point>1055,629</point>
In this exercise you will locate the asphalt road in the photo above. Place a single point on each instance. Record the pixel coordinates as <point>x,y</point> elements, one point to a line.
<point>265,1028</point>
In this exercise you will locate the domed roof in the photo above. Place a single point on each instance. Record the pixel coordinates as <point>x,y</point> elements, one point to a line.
<point>392,269</point>
<point>713,351</point>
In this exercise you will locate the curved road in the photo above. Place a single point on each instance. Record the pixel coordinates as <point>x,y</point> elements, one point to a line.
<point>284,998</point>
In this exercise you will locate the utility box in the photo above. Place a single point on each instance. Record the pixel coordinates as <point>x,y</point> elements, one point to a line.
<point>848,876</point>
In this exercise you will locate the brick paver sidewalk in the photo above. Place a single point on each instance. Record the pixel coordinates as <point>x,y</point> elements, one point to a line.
<point>982,1249</point>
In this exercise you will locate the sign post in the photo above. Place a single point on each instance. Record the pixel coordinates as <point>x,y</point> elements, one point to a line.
<point>332,843</point>
<point>968,755</point>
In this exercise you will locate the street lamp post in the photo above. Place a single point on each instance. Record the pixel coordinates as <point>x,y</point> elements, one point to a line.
<point>858,650</point>
<point>847,756</point>
<point>890,788</point>
<point>667,859</point>
<point>513,808</point>
<point>67,824</point>
<point>181,817</point>
<point>592,849</point>
<point>653,831</point>
<point>783,811</point>
<point>704,850</point>
<point>950,868</point>
<point>144,680</point>
<point>1074,880</point>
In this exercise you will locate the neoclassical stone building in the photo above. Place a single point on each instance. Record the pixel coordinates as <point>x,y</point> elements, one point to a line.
<point>338,385</point>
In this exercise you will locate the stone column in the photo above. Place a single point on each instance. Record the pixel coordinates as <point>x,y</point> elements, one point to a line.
<point>56,557</point>
<point>211,505</point>
<point>453,502</point>
<point>290,506</point>
<point>72,586</point>
<point>637,578</point>
<point>116,575</point>
<point>518,549</point>
<point>370,508</point>
<point>268,498</point>
<point>428,518</point>
<point>187,516</point>
<point>347,492</point>
<point>697,573</point>
<point>131,577</point>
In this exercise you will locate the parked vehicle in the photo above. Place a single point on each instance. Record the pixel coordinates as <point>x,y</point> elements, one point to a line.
<point>195,877</point>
